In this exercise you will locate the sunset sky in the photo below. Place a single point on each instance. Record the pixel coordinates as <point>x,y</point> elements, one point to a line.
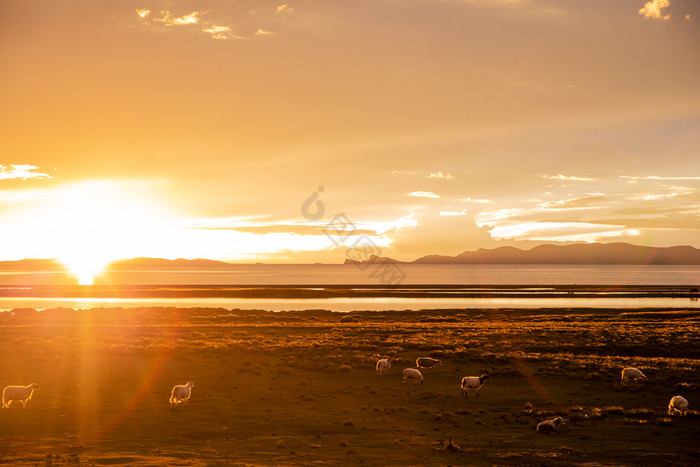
<point>199,128</point>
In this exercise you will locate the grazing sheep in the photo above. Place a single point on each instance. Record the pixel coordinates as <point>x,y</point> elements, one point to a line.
<point>383,366</point>
<point>18,393</point>
<point>632,374</point>
<point>412,374</point>
<point>427,362</point>
<point>181,393</point>
<point>678,405</point>
<point>550,426</point>
<point>473,382</point>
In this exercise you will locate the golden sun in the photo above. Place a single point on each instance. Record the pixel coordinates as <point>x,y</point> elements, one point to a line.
<point>90,224</point>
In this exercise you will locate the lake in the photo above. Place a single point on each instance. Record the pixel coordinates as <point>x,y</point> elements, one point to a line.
<point>26,286</point>
<point>311,274</point>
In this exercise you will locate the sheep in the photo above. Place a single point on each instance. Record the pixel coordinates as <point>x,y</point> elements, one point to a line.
<point>18,393</point>
<point>550,426</point>
<point>412,374</point>
<point>473,382</point>
<point>631,374</point>
<point>678,405</point>
<point>181,393</point>
<point>383,366</point>
<point>427,362</point>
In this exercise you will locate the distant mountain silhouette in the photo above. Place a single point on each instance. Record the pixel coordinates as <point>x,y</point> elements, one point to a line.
<point>32,265</point>
<point>373,259</point>
<point>160,263</point>
<point>589,253</point>
<point>120,265</point>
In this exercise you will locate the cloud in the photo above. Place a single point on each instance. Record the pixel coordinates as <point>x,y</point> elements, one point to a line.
<point>262,32</point>
<point>481,201</point>
<point>23,171</point>
<point>295,229</point>
<point>220,32</point>
<point>538,212</point>
<point>284,8</point>
<point>424,194</point>
<point>192,18</point>
<point>586,202</point>
<point>653,9</point>
<point>463,212</point>
<point>440,175</point>
<point>560,231</point>
<point>565,177</point>
<point>166,19</point>
<point>656,196</point>
<point>654,177</point>
<point>381,233</point>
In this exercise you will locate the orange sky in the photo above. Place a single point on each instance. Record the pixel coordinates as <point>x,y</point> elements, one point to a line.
<point>198,129</point>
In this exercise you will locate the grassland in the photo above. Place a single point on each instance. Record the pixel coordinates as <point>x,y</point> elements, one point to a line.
<point>299,388</point>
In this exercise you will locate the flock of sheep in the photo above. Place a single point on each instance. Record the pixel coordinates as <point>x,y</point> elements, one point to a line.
<point>677,406</point>
<point>181,393</point>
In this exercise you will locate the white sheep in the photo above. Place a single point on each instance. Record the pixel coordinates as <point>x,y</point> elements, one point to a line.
<point>631,374</point>
<point>18,393</point>
<point>181,393</point>
<point>550,426</point>
<point>383,366</point>
<point>678,405</point>
<point>413,375</point>
<point>473,382</point>
<point>427,362</point>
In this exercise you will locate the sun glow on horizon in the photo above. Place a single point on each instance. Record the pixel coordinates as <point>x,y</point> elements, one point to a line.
<point>87,225</point>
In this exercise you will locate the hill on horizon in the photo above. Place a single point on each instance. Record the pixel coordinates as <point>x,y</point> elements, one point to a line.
<point>591,253</point>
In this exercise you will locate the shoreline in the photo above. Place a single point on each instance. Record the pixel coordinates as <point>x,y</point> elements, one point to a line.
<point>347,291</point>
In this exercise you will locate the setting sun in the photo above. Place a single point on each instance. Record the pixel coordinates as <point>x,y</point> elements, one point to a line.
<point>87,225</point>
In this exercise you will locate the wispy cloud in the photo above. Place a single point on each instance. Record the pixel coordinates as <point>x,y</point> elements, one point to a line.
<point>654,177</point>
<point>284,8</point>
<point>441,175</point>
<point>586,202</point>
<point>656,196</point>
<point>424,194</point>
<point>23,171</point>
<point>220,32</point>
<point>568,178</point>
<point>193,19</point>
<point>561,231</point>
<point>481,201</point>
<point>654,9</point>
<point>463,212</point>
<point>262,32</point>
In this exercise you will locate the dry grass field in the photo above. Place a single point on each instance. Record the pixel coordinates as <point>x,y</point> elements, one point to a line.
<point>299,388</point>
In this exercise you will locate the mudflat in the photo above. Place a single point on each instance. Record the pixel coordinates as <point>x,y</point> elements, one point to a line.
<point>300,388</point>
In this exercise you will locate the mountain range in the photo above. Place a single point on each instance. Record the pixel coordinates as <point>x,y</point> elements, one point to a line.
<point>590,253</point>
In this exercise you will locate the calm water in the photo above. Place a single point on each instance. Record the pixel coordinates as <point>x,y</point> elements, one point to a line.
<point>310,275</point>
<point>429,274</point>
<point>352,304</point>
